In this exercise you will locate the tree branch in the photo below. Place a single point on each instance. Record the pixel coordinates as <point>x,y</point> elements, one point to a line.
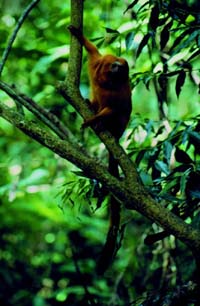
<point>14,34</point>
<point>134,196</point>
<point>129,191</point>
<point>132,192</point>
<point>46,117</point>
<point>64,148</point>
<point>69,89</point>
<point>74,98</point>
<point>74,65</point>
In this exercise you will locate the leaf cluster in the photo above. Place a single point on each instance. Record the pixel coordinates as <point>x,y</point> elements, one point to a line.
<point>168,161</point>
<point>170,41</point>
<point>51,263</point>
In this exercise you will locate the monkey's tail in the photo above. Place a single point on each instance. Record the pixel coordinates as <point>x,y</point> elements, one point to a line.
<point>110,247</point>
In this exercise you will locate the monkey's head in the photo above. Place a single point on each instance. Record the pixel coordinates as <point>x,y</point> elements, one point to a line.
<point>111,72</point>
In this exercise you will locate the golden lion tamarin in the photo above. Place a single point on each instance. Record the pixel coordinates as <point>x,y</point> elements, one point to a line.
<point>111,102</point>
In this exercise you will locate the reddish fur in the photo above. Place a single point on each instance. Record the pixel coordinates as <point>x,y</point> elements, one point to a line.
<point>111,95</point>
<point>111,101</point>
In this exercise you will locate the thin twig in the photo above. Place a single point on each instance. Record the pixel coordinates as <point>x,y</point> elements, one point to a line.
<point>64,148</point>
<point>14,34</point>
<point>136,198</point>
<point>43,115</point>
<point>46,117</point>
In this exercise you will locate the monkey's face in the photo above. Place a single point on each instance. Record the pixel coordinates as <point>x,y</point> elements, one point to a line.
<point>111,72</point>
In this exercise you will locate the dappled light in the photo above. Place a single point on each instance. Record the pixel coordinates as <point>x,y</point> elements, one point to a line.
<point>57,193</point>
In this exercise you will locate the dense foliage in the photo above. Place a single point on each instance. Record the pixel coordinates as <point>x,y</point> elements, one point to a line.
<point>53,219</point>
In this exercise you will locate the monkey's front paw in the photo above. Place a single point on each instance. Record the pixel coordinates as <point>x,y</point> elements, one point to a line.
<point>74,31</point>
<point>85,124</point>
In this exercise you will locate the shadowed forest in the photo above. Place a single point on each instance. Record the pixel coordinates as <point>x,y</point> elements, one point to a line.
<point>56,189</point>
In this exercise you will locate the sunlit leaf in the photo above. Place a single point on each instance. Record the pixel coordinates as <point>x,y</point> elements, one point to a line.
<point>161,166</point>
<point>190,18</point>
<point>129,40</point>
<point>130,6</point>
<point>195,54</point>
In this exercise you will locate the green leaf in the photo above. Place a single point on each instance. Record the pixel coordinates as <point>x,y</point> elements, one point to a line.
<point>167,150</point>
<point>180,82</point>
<point>154,18</point>
<point>142,44</point>
<point>182,157</point>
<point>139,157</point>
<point>146,80</point>
<point>186,42</point>
<point>195,136</point>
<point>179,38</point>
<point>111,31</point>
<point>183,181</point>
<point>198,41</point>
<point>146,178</point>
<point>129,40</point>
<point>110,38</point>
<point>161,166</point>
<point>195,54</point>
<point>190,18</point>
<point>165,34</point>
<point>130,6</point>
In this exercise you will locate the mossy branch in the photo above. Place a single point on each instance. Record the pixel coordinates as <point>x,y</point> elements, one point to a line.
<point>130,191</point>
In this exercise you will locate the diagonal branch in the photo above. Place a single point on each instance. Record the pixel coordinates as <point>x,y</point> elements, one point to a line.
<point>14,34</point>
<point>132,193</point>
<point>46,117</point>
<point>72,95</point>
<point>64,148</point>
<point>129,191</point>
<point>69,89</point>
<point>135,197</point>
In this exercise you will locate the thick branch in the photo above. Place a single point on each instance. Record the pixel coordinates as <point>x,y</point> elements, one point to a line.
<point>135,197</point>
<point>131,191</point>
<point>72,95</point>
<point>70,91</point>
<point>63,148</point>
